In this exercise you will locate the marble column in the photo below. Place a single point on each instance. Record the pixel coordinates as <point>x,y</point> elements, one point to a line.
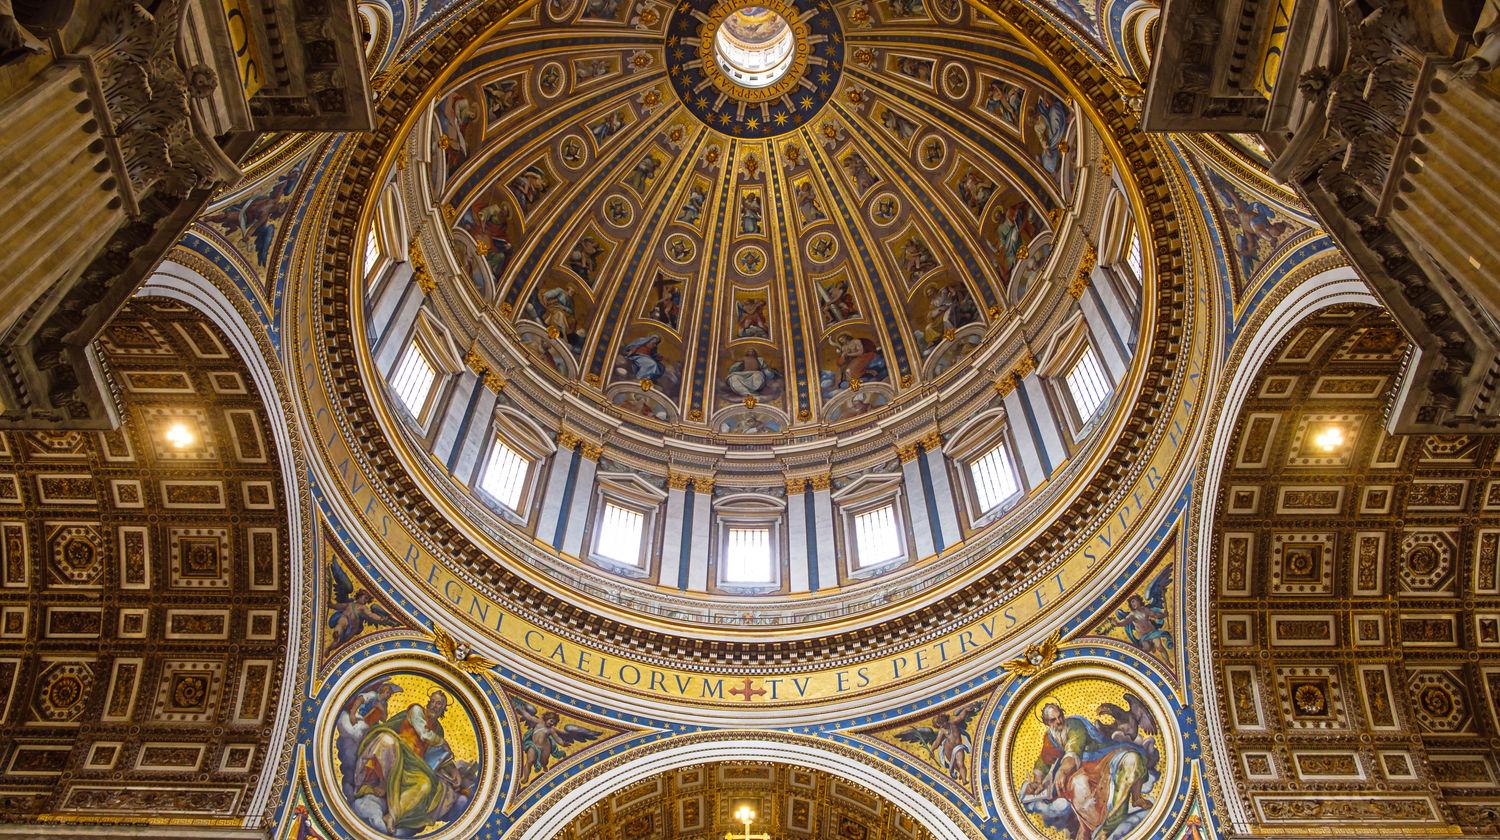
<point>799,574</point>
<point>919,505</point>
<point>387,298</point>
<point>472,442</point>
<point>673,546</point>
<point>1029,450</point>
<point>1124,311</point>
<point>1049,426</point>
<point>398,334</point>
<point>555,493</point>
<point>828,569</point>
<point>940,491</point>
<point>583,495</point>
<point>1102,336</point>
<point>453,421</point>
<point>701,532</point>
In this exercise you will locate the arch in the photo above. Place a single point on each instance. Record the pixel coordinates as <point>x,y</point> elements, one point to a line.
<point>547,817</point>
<point>178,282</point>
<point>1318,292</point>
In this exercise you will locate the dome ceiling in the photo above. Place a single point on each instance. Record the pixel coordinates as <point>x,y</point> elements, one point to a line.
<point>746,255</point>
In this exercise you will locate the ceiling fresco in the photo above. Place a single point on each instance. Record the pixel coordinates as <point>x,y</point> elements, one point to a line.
<point>754,261</point>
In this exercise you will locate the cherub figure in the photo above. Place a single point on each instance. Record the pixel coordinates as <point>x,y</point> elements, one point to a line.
<point>545,737</point>
<point>352,609</point>
<point>947,739</point>
<point>1146,617</point>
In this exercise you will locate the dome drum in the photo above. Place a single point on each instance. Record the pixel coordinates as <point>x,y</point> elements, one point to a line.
<point>697,312</point>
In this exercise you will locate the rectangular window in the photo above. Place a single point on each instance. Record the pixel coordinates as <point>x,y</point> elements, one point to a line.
<point>372,251</point>
<point>747,556</point>
<point>413,380</point>
<point>505,474</point>
<point>876,538</point>
<point>1134,259</point>
<point>994,477</point>
<point>620,534</point>
<point>1088,384</point>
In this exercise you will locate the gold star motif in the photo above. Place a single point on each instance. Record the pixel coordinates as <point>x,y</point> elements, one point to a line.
<point>672,41</point>
<point>824,78</point>
<point>675,70</point>
<point>752,123</point>
<point>677,53</point>
<point>806,102</point>
<point>724,119</point>
<point>837,38</point>
<point>702,102</point>
<point>781,118</point>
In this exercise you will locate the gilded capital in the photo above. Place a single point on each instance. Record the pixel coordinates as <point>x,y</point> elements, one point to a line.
<point>678,481</point>
<point>475,362</point>
<point>907,452</point>
<point>1081,282</point>
<point>493,381</point>
<point>795,486</point>
<point>1026,365</point>
<point>591,450</point>
<point>703,484</point>
<point>821,482</point>
<point>932,441</point>
<point>1005,384</point>
<point>567,440</point>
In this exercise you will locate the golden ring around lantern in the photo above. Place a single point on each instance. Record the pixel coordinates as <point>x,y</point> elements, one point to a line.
<point>788,80</point>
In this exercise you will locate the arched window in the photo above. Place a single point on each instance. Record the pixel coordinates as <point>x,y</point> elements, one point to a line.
<point>1087,383</point>
<point>624,524</point>
<point>505,473</point>
<point>874,519</point>
<point>750,542</point>
<point>414,381</point>
<point>994,477</point>
<point>1078,383</point>
<point>984,456</point>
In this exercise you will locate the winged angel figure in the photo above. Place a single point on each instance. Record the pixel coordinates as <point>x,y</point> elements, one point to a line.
<point>1146,617</point>
<point>947,739</point>
<point>459,653</point>
<point>545,737</point>
<point>353,608</point>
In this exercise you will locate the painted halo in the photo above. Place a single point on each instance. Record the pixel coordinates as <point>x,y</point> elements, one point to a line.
<point>443,793</point>
<point>1126,784</point>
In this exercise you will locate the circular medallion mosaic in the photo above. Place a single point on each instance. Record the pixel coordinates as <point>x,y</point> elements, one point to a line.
<point>409,754</point>
<point>754,69</point>
<point>1087,754</point>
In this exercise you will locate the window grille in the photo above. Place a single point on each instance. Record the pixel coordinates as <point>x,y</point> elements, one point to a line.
<point>620,534</point>
<point>413,380</point>
<point>505,474</point>
<point>1088,384</point>
<point>994,477</point>
<point>747,556</point>
<point>877,539</point>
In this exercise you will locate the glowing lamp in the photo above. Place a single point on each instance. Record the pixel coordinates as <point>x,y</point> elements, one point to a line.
<point>1330,439</point>
<point>179,436</point>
